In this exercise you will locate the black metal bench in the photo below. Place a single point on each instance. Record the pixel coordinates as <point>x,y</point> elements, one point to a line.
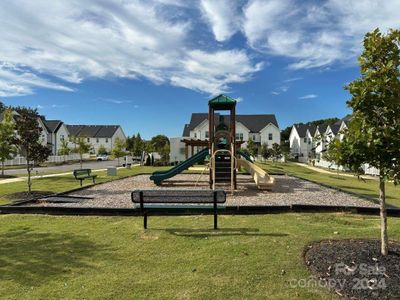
<point>148,198</point>
<point>83,174</point>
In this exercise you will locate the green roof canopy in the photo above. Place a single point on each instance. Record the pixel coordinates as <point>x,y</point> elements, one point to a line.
<point>222,102</point>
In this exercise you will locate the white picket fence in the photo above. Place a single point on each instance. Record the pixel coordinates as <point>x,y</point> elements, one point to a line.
<point>328,165</point>
<point>20,160</point>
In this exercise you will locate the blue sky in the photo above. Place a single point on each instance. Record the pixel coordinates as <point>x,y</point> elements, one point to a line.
<point>147,65</point>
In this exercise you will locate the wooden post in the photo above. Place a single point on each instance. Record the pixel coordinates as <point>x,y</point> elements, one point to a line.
<point>215,210</point>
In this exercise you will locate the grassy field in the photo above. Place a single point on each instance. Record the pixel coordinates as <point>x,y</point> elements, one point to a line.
<point>367,187</point>
<point>67,182</point>
<point>250,257</point>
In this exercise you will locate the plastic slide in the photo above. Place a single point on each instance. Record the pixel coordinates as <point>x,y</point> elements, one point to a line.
<point>244,155</point>
<point>159,176</point>
<point>261,178</point>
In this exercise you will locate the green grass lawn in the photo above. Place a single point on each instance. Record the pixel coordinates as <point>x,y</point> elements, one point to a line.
<point>369,187</point>
<point>67,182</point>
<point>250,257</point>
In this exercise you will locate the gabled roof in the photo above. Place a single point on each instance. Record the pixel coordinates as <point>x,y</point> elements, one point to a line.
<point>312,129</point>
<point>322,128</point>
<point>186,130</point>
<point>52,125</point>
<point>334,128</point>
<point>222,102</point>
<point>301,129</point>
<point>255,123</point>
<point>104,131</point>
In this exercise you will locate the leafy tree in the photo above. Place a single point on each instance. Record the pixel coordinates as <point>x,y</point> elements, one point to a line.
<point>265,151</point>
<point>28,140</point>
<point>102,150</point>
<point>159,141</point>
<point>64,149</point>
<point>165,154</point>
<point>138,145</point>
<point>276,151</point>
<point>81,147</point>
<point>130,143</point>
<point>2,107</point>
<point>373,135</point>
<point>7,138</point>
<point>119,148</point>
<point>252,148</point>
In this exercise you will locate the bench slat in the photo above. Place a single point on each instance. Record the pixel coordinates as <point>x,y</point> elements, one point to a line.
<point>178,196</point>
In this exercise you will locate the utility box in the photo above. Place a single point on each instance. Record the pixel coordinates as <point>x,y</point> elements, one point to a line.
<point>111,171</point>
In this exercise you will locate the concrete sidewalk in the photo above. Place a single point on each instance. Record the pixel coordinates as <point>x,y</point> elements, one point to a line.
<point>18,179</point>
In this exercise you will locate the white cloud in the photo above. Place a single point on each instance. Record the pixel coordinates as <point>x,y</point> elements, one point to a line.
<point>222,16</point>
<point>315,36</point>
<point>100,39</point>
<point>309,96</point>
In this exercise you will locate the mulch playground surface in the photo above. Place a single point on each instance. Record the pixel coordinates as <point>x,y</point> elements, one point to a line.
<point>355,269</point>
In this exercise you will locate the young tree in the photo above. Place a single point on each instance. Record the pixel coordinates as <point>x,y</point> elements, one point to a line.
<point>138,145</point>
<point>102,150</point>
<point>28,140</point>
<point>165,154</point>
<point>7,138</point>
<point>265,151</point>
<point>373,136</point>
<point>119,148</point>
<point>64,149</point>
<point>2,107</point>
<point>81,147</point>
<point>252,148</point>
<point>276,151</point>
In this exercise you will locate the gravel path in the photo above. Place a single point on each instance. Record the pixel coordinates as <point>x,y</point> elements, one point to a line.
<point>288,190</point>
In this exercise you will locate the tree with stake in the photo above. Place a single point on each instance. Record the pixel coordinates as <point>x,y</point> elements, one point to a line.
<point>28,140</point>
<point>119,149</point>
<point>82,147</point>
<point>373,135</point>
<point>7,138</point>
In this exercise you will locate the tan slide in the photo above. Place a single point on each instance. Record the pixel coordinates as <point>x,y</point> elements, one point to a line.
<point>261,178</point>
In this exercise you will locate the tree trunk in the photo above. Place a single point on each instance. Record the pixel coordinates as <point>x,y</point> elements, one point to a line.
<point>29,179</point>
<point>382,198</point>
<point>80,155</point>
<point>2,168</point>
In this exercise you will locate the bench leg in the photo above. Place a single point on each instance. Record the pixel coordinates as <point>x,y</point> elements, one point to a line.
<point>145,221</point>
<point>215,216</point>
<point>94,180</point>
<point>81,181</point>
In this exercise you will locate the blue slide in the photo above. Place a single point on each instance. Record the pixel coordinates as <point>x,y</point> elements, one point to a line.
<point>159,176</point>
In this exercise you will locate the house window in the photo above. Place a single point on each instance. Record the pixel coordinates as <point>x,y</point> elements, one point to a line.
<point>254,137</point>
<point>305,140</point>
<point>62,138</point>
<point>88,140</point>
<point>206,134</point>
<point>270,136</point>
<point>106,140</point>
<point>195,135</point>
<point>97,140</point>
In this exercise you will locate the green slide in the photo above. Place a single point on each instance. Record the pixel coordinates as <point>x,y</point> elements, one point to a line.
<point>245,155</point>
<point>159,176</point>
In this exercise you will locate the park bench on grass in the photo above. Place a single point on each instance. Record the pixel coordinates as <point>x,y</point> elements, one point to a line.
<point>173,200</point>
<point>83,174</point>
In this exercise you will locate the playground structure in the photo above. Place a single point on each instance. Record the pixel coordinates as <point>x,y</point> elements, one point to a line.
<point>222,150</point>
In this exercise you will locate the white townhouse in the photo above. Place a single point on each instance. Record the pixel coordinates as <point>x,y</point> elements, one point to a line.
<point>57,132</point>
<point>310,141</point>
<point>259,128</point>
<point>97,135</point>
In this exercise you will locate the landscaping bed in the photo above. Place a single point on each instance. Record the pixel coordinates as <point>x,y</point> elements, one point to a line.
<point>355,268</point>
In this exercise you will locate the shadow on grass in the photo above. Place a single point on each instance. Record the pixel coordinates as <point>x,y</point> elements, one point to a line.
<point>203,233</point>
<point>33,258</point>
